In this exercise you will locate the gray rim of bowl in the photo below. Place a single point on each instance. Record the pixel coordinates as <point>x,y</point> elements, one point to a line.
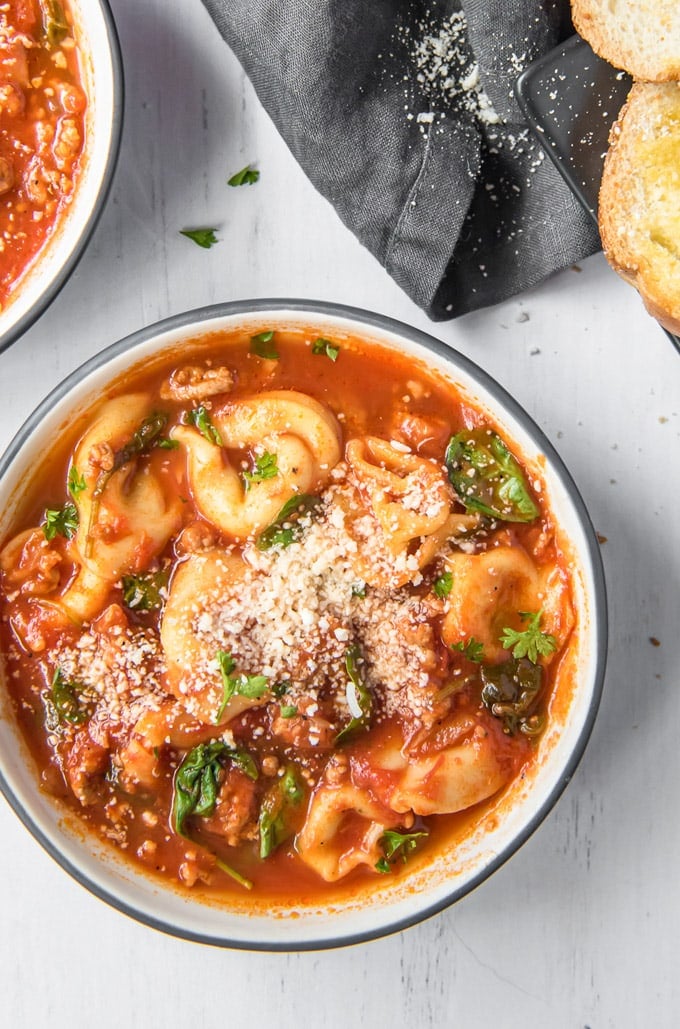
<point>57,284</point>
<point>505,400</point>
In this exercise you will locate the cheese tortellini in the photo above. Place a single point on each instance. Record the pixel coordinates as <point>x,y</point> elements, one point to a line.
<point>301,437</point>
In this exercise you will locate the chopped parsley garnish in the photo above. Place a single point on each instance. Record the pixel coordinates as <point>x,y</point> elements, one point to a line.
<point>529,642</point>
<point>167,444</point>
<point>471,649</point>
<point>442,585</point>
<point>324,346</point>
<point>62,521</point>
<point>262,345</point>
<point>287,526</point>
<point>358,696</point>
<point>145,592</point>
<point>279,688</point>
<point>246,177</point>
<point>487,478</point>
<point>199,417</point>
<point>205,238</point>
<point>66,701</point>
<point>266,467</point>
<point>396,844</point>
<point>288,710</point>
<point>76,482</point>
<point>251,686</point>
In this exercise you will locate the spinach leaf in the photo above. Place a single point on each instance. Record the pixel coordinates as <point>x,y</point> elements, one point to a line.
<point>286,527</point>
<point>197,783</point>
<point>487,478</point>
<point>277,811</point>
<point>509,691</point>
<point>361,700</point>
<point>263,345</point>
<point>55,26</point>
<point>201,420</point>
<point>141,442</point>
<point>65,699</point>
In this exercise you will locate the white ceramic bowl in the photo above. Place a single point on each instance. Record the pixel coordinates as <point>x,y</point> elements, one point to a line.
<point>527,803</point>
<point>103,81</point>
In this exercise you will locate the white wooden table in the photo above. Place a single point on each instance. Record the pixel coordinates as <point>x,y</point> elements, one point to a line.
<point>580,928</point>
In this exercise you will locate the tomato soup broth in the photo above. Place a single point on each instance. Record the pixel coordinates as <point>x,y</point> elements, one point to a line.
<point>42,129</point>
<point>282,617</point>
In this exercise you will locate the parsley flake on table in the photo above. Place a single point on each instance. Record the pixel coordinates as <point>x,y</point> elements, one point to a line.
<point>245,177</point>
<point>205,238</point>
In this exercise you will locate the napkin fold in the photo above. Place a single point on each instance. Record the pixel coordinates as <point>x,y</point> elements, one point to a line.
<point>402,114</point>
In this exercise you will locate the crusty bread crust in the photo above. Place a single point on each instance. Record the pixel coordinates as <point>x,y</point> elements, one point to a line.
<point>640,198</point>
<point>640,36</point>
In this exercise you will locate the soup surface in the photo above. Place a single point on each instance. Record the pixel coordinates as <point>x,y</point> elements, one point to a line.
<point>283,615</point>
<point>42,109</point>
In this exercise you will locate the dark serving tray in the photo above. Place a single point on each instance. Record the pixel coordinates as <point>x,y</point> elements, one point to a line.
<point>571,98</point>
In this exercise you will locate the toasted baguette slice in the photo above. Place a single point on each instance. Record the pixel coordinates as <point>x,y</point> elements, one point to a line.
<point>640,36</point>
<point>640,198</point>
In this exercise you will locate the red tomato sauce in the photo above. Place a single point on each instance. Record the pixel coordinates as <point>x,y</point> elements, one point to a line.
<point>42,130</point>
<point>295,744</point>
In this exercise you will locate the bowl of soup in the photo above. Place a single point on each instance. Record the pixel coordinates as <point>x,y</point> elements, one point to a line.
<point>60,123</point>
<point>303,625</point>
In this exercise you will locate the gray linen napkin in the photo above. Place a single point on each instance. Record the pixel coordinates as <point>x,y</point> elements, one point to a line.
<point>402,113</point>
